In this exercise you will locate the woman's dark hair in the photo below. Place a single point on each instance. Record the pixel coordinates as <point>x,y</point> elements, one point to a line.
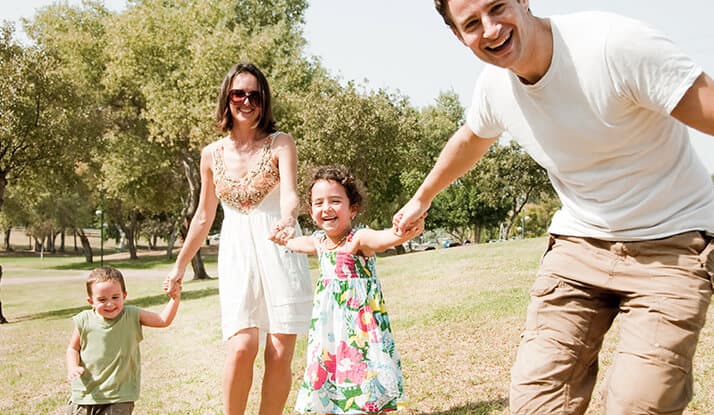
<point>224,118</point>
<point>343,176</point>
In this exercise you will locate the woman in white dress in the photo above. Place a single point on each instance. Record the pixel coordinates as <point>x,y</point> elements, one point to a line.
<point>265,292</point>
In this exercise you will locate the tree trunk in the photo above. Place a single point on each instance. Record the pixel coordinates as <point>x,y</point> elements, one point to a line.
<point>3,183</point>
<point>193,176</point>
<point>477,233</point>
<point>50,242</point>
<point>2,317</point>
<point>6,243</point>
<point>62,237</point>
<point>129,238</point>
<point>172,239</point>
<point>86,247</point>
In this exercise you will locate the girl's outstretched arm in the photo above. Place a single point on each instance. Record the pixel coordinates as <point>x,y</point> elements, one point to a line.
<point>369,241</point>
<point>302,244</point>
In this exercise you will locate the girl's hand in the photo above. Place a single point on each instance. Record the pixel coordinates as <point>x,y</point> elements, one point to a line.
<point>283,231</point>
<point>408,216</point>
<point>74,372</point>
<point>412,232</point>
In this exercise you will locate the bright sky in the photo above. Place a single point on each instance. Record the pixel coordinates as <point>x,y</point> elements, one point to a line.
<point>404,45</point>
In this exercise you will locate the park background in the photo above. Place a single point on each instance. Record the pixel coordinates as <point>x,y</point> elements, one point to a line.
<point>106,109</point>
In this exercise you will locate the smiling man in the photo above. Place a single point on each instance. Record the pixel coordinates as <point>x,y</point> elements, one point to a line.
<point>602,102</point>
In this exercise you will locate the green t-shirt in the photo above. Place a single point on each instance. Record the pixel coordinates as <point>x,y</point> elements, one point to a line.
<point>109,352</point>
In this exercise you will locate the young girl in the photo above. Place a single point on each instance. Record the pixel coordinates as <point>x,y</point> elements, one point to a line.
<point>352,364</point>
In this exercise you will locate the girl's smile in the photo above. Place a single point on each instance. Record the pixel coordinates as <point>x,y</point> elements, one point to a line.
<point>330,209</point>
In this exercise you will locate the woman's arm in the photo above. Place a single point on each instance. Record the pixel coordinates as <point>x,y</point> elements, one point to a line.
<point>200,224</point>
<point>286,153</point>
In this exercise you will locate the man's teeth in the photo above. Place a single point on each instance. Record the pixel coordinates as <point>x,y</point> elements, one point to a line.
<point>503,42</point>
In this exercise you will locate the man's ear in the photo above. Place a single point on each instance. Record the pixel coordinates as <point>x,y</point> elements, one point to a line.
<point>89,300</point>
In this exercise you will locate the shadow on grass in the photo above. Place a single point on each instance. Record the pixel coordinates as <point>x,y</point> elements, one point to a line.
<point>477,408</point>
<point>143,302</point>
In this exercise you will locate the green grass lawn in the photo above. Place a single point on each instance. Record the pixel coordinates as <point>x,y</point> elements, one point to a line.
<point>456,314</point>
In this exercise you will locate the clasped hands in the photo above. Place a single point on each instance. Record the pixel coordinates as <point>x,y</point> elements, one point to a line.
<point>283,231</point>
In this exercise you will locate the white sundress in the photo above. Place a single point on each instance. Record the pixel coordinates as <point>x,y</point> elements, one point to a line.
<point>260,283</point>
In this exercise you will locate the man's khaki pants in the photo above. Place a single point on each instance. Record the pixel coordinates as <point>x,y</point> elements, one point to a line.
<point>660,289</point>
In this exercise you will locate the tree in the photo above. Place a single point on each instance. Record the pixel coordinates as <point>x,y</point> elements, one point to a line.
<point>463,208</point>
<point>3,320</point>
<point>167,58</point>
<point>74,37</point>
<point>360,130</point>
<point>513,178</point>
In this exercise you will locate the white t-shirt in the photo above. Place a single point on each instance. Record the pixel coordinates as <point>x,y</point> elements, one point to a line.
<point>598,122</point>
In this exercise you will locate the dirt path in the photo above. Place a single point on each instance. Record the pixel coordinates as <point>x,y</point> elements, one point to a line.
<point>51,275</point>
<point>79,276</point>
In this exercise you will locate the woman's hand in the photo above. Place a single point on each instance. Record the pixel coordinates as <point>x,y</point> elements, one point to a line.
<point>283,231</point>
<point>172,283</point>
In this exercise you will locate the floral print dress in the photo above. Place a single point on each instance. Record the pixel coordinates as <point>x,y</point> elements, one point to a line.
<point>352,363</point>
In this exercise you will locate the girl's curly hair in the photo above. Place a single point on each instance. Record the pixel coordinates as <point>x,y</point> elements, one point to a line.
<point>343,176</point>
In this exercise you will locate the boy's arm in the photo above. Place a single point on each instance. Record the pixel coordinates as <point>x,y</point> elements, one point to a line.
<point>74,370</point>
<point>302,244</point>
<point>370,241</point>
<point>152,319</point>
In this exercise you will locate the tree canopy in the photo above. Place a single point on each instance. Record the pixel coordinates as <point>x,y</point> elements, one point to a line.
<point>111,109</point>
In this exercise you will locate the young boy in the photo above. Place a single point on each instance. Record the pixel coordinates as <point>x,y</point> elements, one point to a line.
<point>103,362</point>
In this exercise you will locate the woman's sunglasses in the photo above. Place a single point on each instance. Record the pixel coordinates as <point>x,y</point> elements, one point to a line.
<point>238,96</point>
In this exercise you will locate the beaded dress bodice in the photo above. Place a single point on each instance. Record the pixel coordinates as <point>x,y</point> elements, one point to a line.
<point>245,193</point>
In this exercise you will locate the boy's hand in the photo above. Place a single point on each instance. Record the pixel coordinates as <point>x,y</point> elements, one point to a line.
<point>74,372</point>
<point>175,293</point>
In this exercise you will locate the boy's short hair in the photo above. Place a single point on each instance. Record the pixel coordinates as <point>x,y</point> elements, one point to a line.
<point>102,274</point>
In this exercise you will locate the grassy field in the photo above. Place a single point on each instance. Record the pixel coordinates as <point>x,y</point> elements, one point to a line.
<point>457,314</point>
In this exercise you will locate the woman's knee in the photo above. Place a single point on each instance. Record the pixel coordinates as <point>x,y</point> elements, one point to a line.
<point>279,350</point>
<point>242,348</point>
